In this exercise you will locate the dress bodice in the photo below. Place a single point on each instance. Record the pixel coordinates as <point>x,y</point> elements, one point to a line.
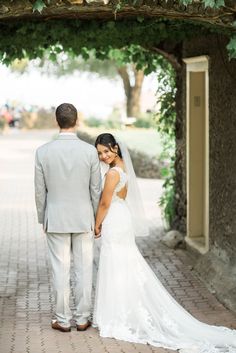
<point>120,185</point>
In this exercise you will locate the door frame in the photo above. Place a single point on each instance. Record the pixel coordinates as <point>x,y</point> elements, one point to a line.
<point>198,64</point>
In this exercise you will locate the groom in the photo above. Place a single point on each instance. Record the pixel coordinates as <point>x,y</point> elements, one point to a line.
<point>67,192</point>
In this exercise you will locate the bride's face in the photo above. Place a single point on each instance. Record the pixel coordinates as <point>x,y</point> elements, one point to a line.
<point>105,154</point>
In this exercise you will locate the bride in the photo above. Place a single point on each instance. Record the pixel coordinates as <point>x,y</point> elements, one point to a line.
<point>131,304</point>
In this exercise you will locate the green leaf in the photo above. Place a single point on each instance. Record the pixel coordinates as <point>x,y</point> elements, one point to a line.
<point>214,3</point>
<point>220,3</point>
<point>185,2</point>
<point>39,6</point>
<point>164,172</point>
<point>207,3</point>
<point>232,47</point>
<point>140,19</point>
<point>53,56</point>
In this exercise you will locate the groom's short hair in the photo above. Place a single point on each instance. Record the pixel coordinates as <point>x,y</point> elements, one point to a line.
<point>66,115</point>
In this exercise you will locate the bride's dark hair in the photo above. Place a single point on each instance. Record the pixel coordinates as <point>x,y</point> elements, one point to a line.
<point>109,141</point>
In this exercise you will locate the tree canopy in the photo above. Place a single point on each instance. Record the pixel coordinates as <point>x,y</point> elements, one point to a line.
<point>77,26</point>
<point>30,38</point>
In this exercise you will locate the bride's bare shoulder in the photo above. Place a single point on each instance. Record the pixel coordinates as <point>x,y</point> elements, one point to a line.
<point>113,173</point>
<point>112,178</point>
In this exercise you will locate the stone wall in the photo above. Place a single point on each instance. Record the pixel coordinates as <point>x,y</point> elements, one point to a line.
<point>218,267</point>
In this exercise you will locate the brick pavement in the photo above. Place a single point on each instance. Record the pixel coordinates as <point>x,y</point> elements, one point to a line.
<point>26,301</point>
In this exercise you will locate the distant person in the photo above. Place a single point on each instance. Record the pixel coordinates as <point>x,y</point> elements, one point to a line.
<point>67,192</point>
<point>7,115</point>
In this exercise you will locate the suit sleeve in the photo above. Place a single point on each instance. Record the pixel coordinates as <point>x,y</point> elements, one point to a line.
<point>95,181</point>
<point>40,190</point>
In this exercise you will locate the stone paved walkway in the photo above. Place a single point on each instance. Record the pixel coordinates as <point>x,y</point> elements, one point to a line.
<point>26,301</point>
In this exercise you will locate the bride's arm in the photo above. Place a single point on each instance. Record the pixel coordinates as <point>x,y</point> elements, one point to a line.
<point>112,179</point>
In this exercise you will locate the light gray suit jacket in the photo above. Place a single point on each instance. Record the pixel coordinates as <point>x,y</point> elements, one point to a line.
<point>67,185</point>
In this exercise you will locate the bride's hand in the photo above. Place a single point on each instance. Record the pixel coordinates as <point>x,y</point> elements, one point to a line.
<point>98,231</point>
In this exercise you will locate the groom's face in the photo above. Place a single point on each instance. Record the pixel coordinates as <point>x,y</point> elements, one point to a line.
<point>106,154</point>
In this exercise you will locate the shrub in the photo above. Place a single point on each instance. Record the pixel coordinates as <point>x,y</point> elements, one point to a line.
<point>93,122</point>
<point>145,121</point>
<point>106,124</point>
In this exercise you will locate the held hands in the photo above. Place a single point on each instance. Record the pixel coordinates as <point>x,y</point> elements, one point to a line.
<point>98,231</point>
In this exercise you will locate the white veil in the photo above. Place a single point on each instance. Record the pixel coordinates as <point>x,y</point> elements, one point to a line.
<point>133,198</point>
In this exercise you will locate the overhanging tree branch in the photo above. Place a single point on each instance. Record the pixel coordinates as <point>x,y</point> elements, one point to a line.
<point>169,57</point>
<point>171,9</point>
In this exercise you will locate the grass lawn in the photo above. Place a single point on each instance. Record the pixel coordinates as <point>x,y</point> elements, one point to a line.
<point>144,140</point>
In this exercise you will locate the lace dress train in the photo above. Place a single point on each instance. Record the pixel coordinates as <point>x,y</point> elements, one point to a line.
<point>131,304</point>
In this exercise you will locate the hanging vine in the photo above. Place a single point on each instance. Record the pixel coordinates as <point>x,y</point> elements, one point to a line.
<point>166,126</point>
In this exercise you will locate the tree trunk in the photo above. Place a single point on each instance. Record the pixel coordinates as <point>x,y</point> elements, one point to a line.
<point>133,93</point>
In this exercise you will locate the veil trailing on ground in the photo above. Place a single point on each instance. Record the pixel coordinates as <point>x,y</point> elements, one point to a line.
<point>133,197</point>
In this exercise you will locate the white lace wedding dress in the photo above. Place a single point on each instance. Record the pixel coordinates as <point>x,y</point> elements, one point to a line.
<point>131,304</point>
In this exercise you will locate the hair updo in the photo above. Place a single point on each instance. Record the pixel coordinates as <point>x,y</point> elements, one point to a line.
<point>109,141</point>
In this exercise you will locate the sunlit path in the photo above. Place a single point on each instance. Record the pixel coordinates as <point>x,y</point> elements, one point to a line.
<point>25,290</point>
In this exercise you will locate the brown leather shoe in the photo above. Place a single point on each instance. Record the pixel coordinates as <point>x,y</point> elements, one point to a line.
<point>57,326</point>
<point>83,327</point>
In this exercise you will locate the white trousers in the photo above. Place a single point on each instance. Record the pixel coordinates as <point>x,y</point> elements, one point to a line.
<point>61,246</point>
